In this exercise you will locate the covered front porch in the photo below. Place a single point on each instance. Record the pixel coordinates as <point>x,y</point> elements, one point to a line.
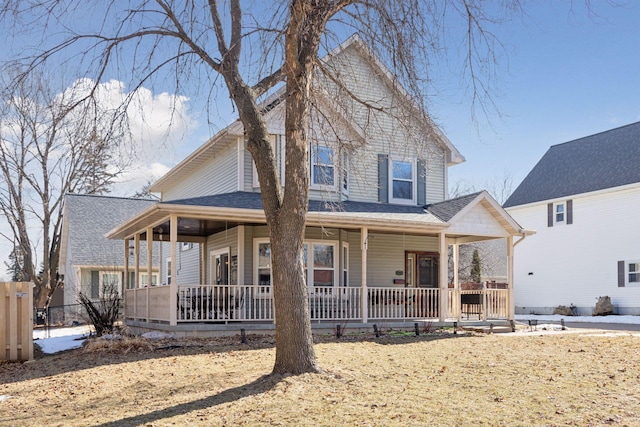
<point>363,267</point>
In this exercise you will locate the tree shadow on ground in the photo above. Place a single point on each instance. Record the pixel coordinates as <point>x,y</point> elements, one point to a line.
<point>261,385</point>
<point>80,359</point>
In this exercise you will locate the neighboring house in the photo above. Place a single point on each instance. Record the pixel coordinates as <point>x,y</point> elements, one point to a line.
<point>88,260</point>
<point>378,227</point>
<point>583,200</point>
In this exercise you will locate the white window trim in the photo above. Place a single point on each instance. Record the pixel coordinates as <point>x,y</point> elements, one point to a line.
<point>256,256</point>
<point>414,182</point>
<point>345,264</point>
<point>564,213</point>
<point>344,173</point>
<point>212,263</point>
<point>167,265</point>
<point>310,268</point>
<point>310,287</point>
<point>333,165</point>
<point>185,246</point>
<point>627,272</point>
<point>154,274</point>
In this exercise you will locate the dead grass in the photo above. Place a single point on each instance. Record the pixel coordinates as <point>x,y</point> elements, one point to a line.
<point>563,379</point>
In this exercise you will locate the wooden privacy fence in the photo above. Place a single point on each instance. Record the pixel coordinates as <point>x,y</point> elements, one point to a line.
<point>16,321</point>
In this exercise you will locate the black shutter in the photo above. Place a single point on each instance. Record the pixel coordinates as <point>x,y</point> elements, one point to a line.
<point>569,211</point>
<point>550,215</point>
<point>95,284</point>
<point>621,274</point>
<point>383,178</point>
<point>422,183</point>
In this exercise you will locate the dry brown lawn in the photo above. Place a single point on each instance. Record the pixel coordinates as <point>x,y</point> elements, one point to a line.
<point>522,379</point>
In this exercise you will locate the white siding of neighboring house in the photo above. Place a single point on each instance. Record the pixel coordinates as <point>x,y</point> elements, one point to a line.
<point>217,175</point>
<point>577,263</point>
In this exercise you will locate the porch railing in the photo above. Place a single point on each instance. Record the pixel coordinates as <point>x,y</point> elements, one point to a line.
<point>483,303</point>
<point>209,303</point>
<point>403,303</point>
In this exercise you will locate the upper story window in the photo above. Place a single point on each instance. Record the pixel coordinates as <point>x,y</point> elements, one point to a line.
<point>402,181</point>
<point>560,213</point>
<point>322,167</point>
<point>559,208</point>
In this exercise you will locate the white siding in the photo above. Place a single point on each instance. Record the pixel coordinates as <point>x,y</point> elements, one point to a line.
<point>478,222</point>
<point>577,263</point>
<point>218,175</point>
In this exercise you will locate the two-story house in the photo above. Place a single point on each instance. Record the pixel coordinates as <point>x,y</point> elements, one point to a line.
<point>378,226</point>
<point>583,199</point>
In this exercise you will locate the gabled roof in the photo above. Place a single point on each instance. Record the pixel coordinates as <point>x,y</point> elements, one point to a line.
<point>597,162</point>
<point>449,208</point>
<point>86,219</point>
<point>274,102</point>
<point>458,213</point>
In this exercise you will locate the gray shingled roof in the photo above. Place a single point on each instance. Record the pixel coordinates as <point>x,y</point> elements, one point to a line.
<point>89,218</point>
<point>449,208</point>
<point>604,160</point>
<point>247,200</point>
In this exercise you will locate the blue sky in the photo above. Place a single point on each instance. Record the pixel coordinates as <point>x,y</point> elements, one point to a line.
<point>569,75</point>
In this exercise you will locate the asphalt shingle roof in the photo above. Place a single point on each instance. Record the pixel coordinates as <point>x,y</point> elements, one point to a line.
<point>449,208</point>
<point>604,160</point>
<point>248,200</point>
<point>89,217</point>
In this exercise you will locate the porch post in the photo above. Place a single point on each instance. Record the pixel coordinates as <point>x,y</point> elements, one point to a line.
<point>443,275</point>
<point>173,286</point>
<point>510,297</point>
<point>125,283</point>
<point>364,299</point>
<point>136,278</point>
<point>203,262</point>
<point>456,280</point>
<point>149,265</point>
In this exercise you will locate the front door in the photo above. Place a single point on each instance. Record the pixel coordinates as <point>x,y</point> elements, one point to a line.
<point>220,268</point>
<point>421,270</point>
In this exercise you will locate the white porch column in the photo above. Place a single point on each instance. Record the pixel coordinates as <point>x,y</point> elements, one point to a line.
<point>126,284</point>
<point>443,275</point>
<point>173,286</point>
<point>241,250</point>
<point>456,279</point>
<point>149,266</point>
<point>203,262</point>
<point>511,296</point>
<point>136,269</point>
<point>364,299</point>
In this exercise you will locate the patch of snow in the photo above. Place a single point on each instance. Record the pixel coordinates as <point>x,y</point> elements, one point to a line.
<point>60,339</point>
<point>4,397</point>
<point>629,320</point>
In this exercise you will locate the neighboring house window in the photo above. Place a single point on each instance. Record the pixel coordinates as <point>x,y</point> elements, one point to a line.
<point>345,264</point>
<point>186,246</point>
<point>402,178</point>
<point>319,260</point>
<point>628,273</point>
<point>634,272</point>
<point>560,213</point>
<point>322,167</point>
<point>144,279</point>
<point>168,264</point>
<point>109,278</point>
